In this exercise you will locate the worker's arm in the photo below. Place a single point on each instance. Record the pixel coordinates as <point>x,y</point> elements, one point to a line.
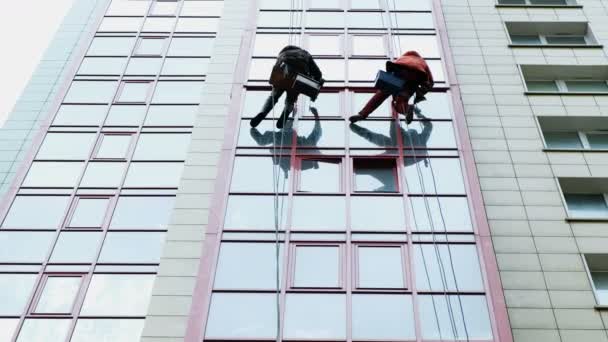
<point>315,72</point>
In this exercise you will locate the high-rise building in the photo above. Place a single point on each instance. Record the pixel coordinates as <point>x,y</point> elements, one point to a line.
<point>139,204</point>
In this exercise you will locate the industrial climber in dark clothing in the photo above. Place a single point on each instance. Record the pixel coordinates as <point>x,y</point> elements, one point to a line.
<point>291,61</point>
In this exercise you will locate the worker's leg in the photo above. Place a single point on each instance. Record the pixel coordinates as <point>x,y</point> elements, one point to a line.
<point>267,107</point>
<point>290,102</point>
<point>371,106</point>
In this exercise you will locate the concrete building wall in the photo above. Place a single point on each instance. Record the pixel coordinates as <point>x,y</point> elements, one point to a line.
<point>548,292</point>
<point>33,106</point>
<point>172,296</point>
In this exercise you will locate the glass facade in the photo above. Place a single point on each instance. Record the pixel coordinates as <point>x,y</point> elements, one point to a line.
<point>375,239</point>
<point>82,239</point>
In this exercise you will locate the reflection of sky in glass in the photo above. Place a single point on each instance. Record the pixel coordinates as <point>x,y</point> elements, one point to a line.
<point>102,330</point>
<point>118,295</point>
<point>44,330</point>
<point>58,295</point>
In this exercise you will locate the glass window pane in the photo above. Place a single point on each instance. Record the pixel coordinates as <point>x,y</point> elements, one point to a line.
<point>325,45</point>
<point>426,45</point>
<point>253,313</point>
<point>178,92</point>
<point>279,19</point>
<point>202,8</point>
<point>600,282</point>
<point>132,248</point>
<point>154,175</point>
<point>376,175</point>
<point>542,86</point>
<point>53,174</point>
<point>317,266</point>
<point>134,92</point>
<point>325,4</point>
<point>158,25</point>
<point>368,46</point>
<point>80,115</point>
<point>548,2</point>
<point>185,66</point>
<point>598,140</point>
<point>370,134</point>
<point>383,317</point>
<point>462,273</point>
<point>261,68</point>
<point>586,205</point>
<point>247,266</point>
<point>7,328</point>
<point>388,213</point>
<point>120,24</point>
<point>49,212</point>
<point>436,67</point>
<point>324,20</point>
<point>440,176</point>
<point>326,105</point>
<point>380,267</point>
<point>454,212</point>
<point>103,175</point>
<point>333,69</point>
<point>567,40</point>
<point>44,330</point>
<point>428,134</point>
<point>413,20</point>
<point>315,316</point>
<point>91,92</point>
<point>475,311</point>
<point>364,4</point>
<point>114,146</point>
<point>525,39</point>
<point>366,20</point>
<point>144,66</point>
<point>118,295</point>
<point>102,66</point>
<point>587,86</point>
<point>329,213</point>
<point>162,8</point>
<point>197,25</point>
<point>151,46</point>
<point>255,174</point>
<point>15,290</point>
<point>420,5</point>
<point>125,115</point>
<point>315,133</point>
<point>142,212</point>
<point>66,146</point>
<point>269,45</point>
<point>25,247</point>
<point>130,8</point>
<point>111,46</point>
<point>253,137</point>
<point>102,330</point>
<point>320,175</point>
<point>562,140</point>
<point>253,212</point>
<point>89,213</point>
<point>162,147</point>
<point>191,47</point>
<point>364,69</point>
<point>76,247</point>
<point>436,106</point>
<point>58,295</point>
<point>171,116</point>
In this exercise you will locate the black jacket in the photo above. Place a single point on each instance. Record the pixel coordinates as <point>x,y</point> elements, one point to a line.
<point>298,60</point>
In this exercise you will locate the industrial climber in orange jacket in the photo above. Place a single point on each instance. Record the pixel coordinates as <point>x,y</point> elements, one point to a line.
<point>412,68</point>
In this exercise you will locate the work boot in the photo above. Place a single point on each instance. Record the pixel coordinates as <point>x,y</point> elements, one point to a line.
<point>355,118</point>
<point>257,120</point>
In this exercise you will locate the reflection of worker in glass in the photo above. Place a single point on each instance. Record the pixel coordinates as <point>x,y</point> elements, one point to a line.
<point>411,137</point>
<point>414,70</point>
<point>270,137</point>
<point>291,61</point>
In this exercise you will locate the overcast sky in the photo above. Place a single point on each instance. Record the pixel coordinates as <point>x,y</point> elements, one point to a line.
<point>28,26</point>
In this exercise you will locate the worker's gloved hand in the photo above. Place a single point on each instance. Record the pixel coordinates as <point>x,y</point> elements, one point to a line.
<point>419,98</point>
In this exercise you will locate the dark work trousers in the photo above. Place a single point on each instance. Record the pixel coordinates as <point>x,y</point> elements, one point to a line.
<point>272,100</point>
<point>380,96</point>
